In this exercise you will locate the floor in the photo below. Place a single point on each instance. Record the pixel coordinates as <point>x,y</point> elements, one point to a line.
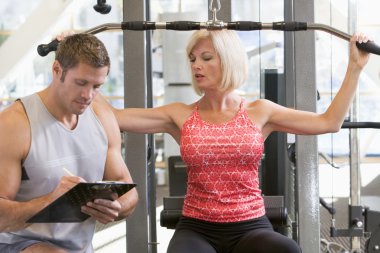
<point>334,184</point>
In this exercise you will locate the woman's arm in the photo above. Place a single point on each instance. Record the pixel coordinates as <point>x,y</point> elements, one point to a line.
<point>301,122</point>
<point>164,119</point>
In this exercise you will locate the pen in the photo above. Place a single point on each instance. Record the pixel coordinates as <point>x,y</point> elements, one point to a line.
<point>68,172</point>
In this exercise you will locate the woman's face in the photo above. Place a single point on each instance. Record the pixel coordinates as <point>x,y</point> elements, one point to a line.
<point>205,65</point>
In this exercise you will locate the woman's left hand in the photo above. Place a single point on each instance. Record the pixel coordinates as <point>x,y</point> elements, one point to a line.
<point>358,56</point>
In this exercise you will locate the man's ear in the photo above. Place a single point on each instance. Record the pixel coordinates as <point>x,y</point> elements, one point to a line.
<point>57,69</point>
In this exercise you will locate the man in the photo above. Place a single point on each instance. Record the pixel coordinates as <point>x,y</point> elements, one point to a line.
<point>44,133</point>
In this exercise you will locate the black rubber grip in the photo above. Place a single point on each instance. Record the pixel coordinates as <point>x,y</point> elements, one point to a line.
<point>44,49</point>
<point>138,25</point>
<point>183,25</point>
<point>347,124</point>
<point>244,26</point>
<point>290,26</point>
<point>369,47</point>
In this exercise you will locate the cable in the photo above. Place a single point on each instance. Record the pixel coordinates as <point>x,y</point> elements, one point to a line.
<point>332,135</point>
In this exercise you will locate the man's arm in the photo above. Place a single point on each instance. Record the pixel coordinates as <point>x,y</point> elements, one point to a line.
<point>106,211</point>
<point>14,147</point>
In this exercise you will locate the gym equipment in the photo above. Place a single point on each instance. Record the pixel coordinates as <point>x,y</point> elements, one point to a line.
<point>102,7</point>
<point>215,24</point>
<point>361,220</point>
<point>218,25</point>
<point>372,225</point>
<point>274,208</point>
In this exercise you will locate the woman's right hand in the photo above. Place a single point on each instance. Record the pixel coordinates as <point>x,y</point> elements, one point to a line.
<point>63,35</point>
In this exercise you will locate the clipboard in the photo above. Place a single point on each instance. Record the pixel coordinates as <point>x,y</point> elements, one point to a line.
<point>67,208</point>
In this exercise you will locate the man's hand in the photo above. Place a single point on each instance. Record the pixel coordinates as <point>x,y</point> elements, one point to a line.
<point>66,183</point>
<point>103,210</point>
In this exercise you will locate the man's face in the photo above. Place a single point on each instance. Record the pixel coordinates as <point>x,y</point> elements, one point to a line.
<point>79,87</point>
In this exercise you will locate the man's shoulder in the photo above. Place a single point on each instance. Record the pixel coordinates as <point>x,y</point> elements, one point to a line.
<point>14,118</point>
<point>14,112</point>
<point>102,111</point>
<point>106,117</point>
<point>14,129</point>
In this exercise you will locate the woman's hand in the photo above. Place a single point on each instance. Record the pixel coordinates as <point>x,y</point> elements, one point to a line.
<point>357,56</point>
<point>63,35</point>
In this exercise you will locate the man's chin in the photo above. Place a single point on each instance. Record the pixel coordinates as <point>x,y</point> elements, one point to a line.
<point>80,111</point>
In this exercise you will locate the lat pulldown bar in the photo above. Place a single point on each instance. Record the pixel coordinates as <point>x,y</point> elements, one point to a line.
<point>370,46</point>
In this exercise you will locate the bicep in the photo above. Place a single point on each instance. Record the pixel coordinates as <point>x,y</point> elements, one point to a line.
<point>142,120</point>
<point>146,120</point>
<point>115,168</point>
<point>14,136</point>
<point>10,179</point>
<point>283,119</point>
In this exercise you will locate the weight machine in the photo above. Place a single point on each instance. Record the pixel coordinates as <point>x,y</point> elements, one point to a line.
<point>215,24</point>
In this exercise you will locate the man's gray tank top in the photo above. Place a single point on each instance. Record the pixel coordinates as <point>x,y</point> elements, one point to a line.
<point>54,147</point>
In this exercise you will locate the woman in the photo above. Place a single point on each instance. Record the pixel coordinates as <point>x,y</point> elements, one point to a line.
<point>221,141</point>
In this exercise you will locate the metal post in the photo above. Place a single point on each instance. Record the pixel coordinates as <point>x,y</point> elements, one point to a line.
<point>303,71</point>
<point>289,76</point>
<point>136,79</point>
<point>354,138</point>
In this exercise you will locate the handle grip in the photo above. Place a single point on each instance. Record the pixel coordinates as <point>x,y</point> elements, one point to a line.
<point>369,47</point>
<point>183,25</point>
<point>244,25</point>
<point>290,26</point>
<point>44,49</point>
<point>138,25</point>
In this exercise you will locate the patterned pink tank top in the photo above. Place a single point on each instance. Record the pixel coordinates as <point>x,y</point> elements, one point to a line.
<point>222,165</point>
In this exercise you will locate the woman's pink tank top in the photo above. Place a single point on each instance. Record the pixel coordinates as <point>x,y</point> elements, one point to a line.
<point>222,165</point>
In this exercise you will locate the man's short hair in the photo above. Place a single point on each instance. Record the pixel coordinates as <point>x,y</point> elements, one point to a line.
<point>81,48</point>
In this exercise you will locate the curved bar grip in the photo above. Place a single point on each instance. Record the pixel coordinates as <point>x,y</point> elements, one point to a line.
<point>183,25</point>
<point>290,26</point>
<point>138,25</point>
<point>44,49</point>
<point>175,25</point>
<point>244,25</point>
<point>369,47</point>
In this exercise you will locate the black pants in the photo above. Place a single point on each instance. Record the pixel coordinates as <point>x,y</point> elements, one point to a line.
<point>253,236</point>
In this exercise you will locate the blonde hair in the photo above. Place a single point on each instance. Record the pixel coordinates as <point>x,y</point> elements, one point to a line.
<point>233,57</point>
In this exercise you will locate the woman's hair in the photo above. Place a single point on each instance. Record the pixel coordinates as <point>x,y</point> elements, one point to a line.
<point>81,48</point>
<point>233,57</point>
